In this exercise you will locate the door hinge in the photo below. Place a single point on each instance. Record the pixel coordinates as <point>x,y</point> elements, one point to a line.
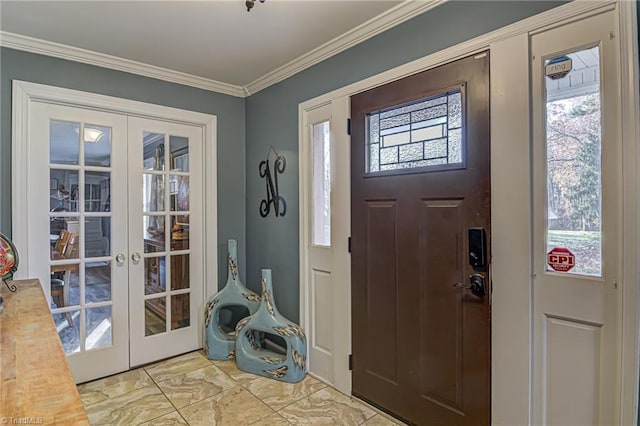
<point>348,126</point>
<point>349,244</point>
<point>350,362</point>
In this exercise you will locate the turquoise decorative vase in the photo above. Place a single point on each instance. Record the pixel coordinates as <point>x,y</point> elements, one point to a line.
<point>257,353</point>
<point>224,309</point>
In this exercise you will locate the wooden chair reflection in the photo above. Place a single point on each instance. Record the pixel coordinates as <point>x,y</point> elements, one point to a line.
<point>66,247</point>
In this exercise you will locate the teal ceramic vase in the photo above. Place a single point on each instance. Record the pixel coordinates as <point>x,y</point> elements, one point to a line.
<point>224,309</point>
<point>255,354</point>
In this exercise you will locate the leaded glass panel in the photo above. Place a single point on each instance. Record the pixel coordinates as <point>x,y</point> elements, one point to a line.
<point>419,134</point>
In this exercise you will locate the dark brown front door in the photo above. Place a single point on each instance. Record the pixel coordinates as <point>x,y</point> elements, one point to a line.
<point>419,181</point>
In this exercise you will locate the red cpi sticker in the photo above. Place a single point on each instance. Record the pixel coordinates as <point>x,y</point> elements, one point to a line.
<point>561,259</point>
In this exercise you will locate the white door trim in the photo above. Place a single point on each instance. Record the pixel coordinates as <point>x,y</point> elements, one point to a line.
<point>511,319</point>
<point>630,108</point>
<point>24,93</point>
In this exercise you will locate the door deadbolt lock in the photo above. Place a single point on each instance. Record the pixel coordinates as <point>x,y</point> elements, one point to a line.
<point>476,285</point>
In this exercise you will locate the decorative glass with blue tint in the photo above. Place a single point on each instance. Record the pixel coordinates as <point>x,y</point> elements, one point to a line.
<point>427,133</point>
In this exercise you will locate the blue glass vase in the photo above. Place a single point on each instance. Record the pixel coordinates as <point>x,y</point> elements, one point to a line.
<point>223,309</point>
<point>256,353</point>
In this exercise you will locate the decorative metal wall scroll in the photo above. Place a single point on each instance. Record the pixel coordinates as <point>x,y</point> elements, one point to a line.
<point>274,199</point>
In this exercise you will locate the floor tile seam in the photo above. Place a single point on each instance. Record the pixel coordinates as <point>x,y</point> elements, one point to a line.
<point>165,414</point>
<point>147,385</point>
<point>308,396</point>
<point>232,378</point>
<point>176,374</point>
<point>147,420</point>
<point>270,414</point>
<point>157,417</point>
<point>166,360</point>
<point>84,384</point>
<point>209,397</point>
<point>165,395</point>
<point>188,372</point>
<point>288,404</point>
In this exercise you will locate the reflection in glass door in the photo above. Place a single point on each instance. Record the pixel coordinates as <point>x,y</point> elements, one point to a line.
<point>85,201</point>
<point>165,238</point>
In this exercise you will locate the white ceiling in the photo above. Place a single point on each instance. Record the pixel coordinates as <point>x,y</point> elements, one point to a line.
<point>216,40</point>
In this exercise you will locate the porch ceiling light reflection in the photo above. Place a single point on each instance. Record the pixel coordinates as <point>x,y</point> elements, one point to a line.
<point>91,135</point>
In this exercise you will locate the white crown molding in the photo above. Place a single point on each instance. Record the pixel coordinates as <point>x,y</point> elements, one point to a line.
<point>57,50</point>
<point>386,20</point>
<point>392,17</point>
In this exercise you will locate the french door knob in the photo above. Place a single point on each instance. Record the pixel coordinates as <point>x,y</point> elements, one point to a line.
<point>120,258</point>
<point>135,256</point>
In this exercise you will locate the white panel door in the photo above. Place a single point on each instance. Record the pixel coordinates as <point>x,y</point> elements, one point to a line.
<point>320,272</point>
<point>77,216</point>
<point>166,238</point>
<point>577,217</point>
<point>325,222</point>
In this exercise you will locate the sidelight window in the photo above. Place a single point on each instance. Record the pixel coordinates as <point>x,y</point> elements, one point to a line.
<point>421,134</point>
<point>573,161</point>
<point>321,184</point>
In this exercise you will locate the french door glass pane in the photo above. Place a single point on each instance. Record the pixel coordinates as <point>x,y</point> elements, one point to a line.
<point>154,273</point>
<point>63,190</point>
<point>154,155</point>
<point>97,145</point>
<point>155,316</point>
<point>61,228</point>
<point>179,147</point>
<point>179,271</point>
<point>64,142</point>
<point>97,282</point>
<point>180,312</point>
<point>154,233</point>
<point>180,232</point>
<point>98,326</point>
<point>97,191</point>
<point>68,326</point>
<point>153,192</point>
<point>179,192</point>
<point>97,236</point>
<point>574,170</point>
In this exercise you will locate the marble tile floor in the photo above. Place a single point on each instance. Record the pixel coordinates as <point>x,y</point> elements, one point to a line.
<point>192,390</point>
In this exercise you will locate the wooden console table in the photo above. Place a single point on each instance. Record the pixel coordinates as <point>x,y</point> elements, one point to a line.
<point>36,385</point>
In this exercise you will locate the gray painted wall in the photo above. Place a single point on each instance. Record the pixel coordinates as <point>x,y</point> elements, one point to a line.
<point>272,119</point>
<point>231,128</point>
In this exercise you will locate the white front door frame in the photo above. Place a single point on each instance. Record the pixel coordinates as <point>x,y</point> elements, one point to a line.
<point>25,93</point>
<point>512,373</point>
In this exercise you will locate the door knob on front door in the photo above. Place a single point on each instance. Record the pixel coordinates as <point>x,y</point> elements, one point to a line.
<point>135,257</point>
<point>120,258</point>
<point>476,285</point>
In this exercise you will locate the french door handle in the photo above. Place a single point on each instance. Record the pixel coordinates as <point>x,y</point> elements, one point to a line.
<point>135,257</point>
<point>120,258</point>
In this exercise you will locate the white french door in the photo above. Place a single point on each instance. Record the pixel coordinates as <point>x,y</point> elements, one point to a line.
<point>165,238</point>
<point>116,234</point>
<point>77,186</point>
<point>577,217</point>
